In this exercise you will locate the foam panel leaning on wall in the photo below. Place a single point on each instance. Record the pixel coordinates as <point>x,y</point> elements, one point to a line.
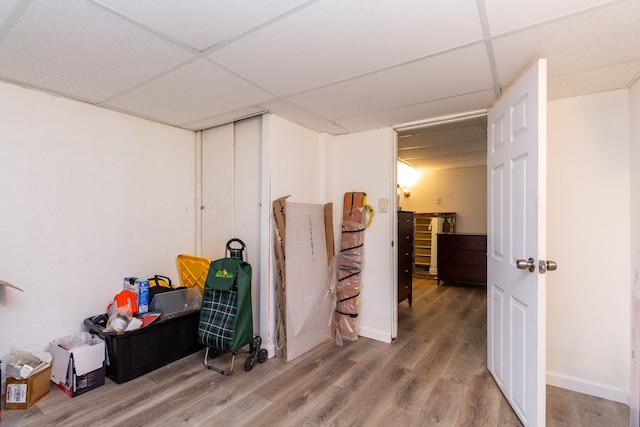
<point>354,216</point>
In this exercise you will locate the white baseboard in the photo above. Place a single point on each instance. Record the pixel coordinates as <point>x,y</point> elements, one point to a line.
<point>375,335</point>
<point>271,350</point>
<point>364,332</point>
<point>604,391</point>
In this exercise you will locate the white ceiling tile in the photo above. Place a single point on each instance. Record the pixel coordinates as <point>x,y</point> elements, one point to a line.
<point>454,153</point>
<point>201,23</point>
<point>459,143</point>
<point>304,118</point>
<point>509,15</point>
<point>437,139</point>
<point>587,41</point>
<point>221,119</point>
<point>454,157</point>
<point>79,49</point>
<point>619,76</point>
<point>455,161</point>
<point>6,8</point>
<point>346,65</point>
<point>445,75</point>
<point>476,146</point>
<point>335,40</point>
<point>196,91</point>
<point>426,110</point>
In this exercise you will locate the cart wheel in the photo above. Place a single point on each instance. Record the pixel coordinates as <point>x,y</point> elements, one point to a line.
<point>256,342</point>
<point>248,364</point>
<point>262,356</point>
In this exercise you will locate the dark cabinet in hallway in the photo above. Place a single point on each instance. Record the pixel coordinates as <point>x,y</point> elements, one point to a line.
<point>462,258</point>
<point>405,255</point>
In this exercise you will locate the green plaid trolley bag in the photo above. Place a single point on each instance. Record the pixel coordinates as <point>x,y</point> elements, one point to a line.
<point>226,321</point>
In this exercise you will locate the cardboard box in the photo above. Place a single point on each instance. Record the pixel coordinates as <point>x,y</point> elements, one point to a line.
<point>141,289</point>
<point>21,394</point>
<point>78,363</point>
<point>304,265</point>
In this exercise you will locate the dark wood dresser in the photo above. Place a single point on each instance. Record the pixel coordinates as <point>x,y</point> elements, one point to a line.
<point>405,255</point>
<point>462,258</point>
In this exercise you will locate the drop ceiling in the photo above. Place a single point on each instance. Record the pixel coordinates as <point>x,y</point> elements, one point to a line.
<point>455,144</point>
<point>334,66</point>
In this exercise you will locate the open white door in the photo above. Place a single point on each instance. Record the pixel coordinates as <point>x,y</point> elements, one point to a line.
<point>516,175</point>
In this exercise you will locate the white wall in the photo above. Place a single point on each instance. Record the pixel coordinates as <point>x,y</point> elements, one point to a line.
<point>298,162</point>
<point>295,158</point>
<point>634,161</point>
<point>88,197</point>
<point>462,190</point>
<point>365,161</point>
<point>588,221</point>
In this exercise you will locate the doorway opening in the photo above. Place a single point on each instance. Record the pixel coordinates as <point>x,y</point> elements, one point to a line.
<point>449,196</point>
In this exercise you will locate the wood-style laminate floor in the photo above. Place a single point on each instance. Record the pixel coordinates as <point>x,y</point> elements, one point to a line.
<point>434,374</point>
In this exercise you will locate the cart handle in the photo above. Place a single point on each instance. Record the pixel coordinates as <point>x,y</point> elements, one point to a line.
<point>230,250</point>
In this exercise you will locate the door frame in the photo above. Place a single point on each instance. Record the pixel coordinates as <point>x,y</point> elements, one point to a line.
<point>419,124</point>
<point>541,252</point>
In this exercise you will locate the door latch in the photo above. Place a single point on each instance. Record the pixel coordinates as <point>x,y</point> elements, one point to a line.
<point>544,266</point>
<point>530,264</point>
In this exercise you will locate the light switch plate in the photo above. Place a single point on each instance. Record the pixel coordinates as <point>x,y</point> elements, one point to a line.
<point>383,205</point>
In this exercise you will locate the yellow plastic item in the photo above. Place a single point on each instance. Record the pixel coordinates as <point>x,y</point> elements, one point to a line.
<point>193,271</point>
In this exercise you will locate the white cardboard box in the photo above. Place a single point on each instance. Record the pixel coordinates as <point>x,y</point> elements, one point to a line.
<point>78,363</point>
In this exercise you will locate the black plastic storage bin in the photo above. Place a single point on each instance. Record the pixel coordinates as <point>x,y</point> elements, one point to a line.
<point>135,353</point>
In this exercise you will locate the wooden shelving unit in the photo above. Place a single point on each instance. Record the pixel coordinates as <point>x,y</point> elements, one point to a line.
<point>422,244</point>
<point>426,229</point>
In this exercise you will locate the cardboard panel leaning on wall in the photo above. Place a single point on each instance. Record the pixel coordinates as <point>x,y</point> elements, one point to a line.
<point>305,273</point>
<point>95,196</point>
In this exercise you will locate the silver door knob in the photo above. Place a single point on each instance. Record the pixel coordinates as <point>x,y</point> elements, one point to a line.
<point>545,266</point>
<point>529,264</point>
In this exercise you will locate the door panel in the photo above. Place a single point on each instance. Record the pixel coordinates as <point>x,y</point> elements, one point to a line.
<point>519,224</point>
<point>496,364</point>
<point>231,194</point>
<point>217,177</point>
<point>516,217</point>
